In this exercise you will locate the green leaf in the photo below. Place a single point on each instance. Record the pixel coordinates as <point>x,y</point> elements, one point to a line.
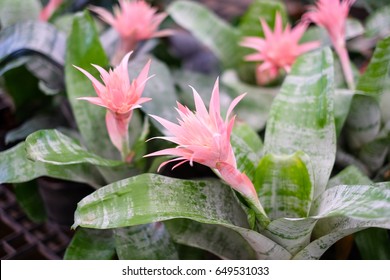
<point>83,48</point>
<point>349,176</point>
<point>91,244</point>
<point>342,105</point>
<point>144,242</point>
<point>216,34</point>
<point>373,81</point>
<point>160,88</point>
<point>151,198</point>
<point>16,168</point>
<point>307,126</point>
<point>284,187</point>
<point>14,11</point>
<point>264,9</point>
<point>363,122</point>
<point>30,200</point>
<point>44,57</point>
<point>254,108</point>
<point>247,148</point>
<point>51,146</point>
<point>221,241</point>
<point>373,244</point>
<point>378,23</point>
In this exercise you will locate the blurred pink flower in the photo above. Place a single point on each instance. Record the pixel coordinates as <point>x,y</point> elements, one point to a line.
<point>204,137</point>
<point>49,9</point>
<point>120,98</point>
<point>134,21</point>
<point>278,50</point>
<point>332,15</point>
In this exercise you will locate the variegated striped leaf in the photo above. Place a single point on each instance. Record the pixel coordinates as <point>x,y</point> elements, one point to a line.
<point>301,117</point>
<point>53,147</point>
<point>221,241</point>
<point>216,34</point>
<point>15,11</point>
<point>144,242</point>
<point>91,244</point>
<point>15,167</point>
<point>283,184</point>
<point>151,198</point>
<point>378,23</point>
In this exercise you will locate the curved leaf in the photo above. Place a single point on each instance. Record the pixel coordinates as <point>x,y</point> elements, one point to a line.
<point>42,43</point>
<point>212,31</point>
<point>221,241</point>
<point>373,81</point>
<point>307,126</point>
<point>373,244</point>
<point>284,187</point>
<point>51,146</point>
<point>29,198</point>
<point>378,23</point>
<point>144,242</point>
<point>91,244</point>
<point>151,198</point>
<point>16,168</point>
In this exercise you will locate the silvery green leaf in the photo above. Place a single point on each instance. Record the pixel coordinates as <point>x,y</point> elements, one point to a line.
<point>151,198</point>
<point>308,125</point>
<point>91,244</point>
<point>53,147</point>
<point>15,11</point>
<point>15,167</point>
<point>378,23</point>
<point>144,242</point>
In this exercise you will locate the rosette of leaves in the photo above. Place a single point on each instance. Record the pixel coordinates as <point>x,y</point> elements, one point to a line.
<point>291,170</point>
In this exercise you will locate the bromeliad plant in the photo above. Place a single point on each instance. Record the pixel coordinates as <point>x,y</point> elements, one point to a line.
<point>304,211</point>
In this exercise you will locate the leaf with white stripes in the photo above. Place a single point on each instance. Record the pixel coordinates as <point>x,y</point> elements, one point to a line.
<point>51,146</point>
<point>301,117</point>
<point>221,241</point>
<point>144,242</point>
<point>15,167</point>
<point>151,198</point>
<point>347,209</point>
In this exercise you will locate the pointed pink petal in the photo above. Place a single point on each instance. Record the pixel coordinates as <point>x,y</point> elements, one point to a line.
<point>94,100</point>
<point>267,31</point>
<point>199,105</point>
<point>100,88</point>
<point>254,57</point>
<point>234,104</point>
<point>170,126</point>
<point>308,47</point>
<point>143,77</point>
<point>103,73</point>
<point>278,24</point>
<point>214,102</point>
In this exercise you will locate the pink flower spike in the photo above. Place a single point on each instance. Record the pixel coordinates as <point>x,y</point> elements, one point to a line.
<point>204,137</point>
<point>134,21</point>
<point>120,97</point>
<point>332,15</point>
<point>49,9</point>
<point>278,50</point>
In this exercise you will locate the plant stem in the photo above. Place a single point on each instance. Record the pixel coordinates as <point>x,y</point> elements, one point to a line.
<point>342,52</point>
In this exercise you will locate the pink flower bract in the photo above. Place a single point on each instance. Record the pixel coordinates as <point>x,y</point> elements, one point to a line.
<point>204,137</point>
<point>119,96</point>
<point>134,19</point>
<point>278,49</point>
<point>332,15</point>
<point>49,9</point>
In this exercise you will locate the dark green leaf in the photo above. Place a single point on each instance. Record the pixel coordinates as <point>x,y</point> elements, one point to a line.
<point>30,200</point>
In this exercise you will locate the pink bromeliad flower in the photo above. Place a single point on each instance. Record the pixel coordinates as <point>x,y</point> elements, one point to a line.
<point>278,50</point>
<point>120,98</point>
<point>49,9</point>
<point>204,137</point>
<point>332,15</point>
<point>134,21</point>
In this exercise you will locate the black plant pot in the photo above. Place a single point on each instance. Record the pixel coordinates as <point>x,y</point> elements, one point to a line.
<point>61,198</point>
